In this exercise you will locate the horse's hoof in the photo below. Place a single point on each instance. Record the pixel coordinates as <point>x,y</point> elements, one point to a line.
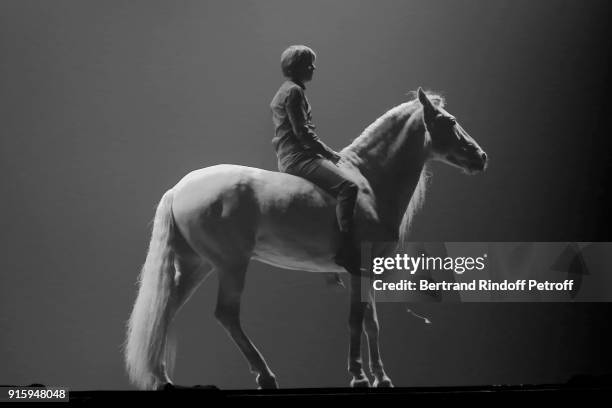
<point>165,387</point>
<point>384,383</point>
<point>360,383</point>
<point>266,383</point>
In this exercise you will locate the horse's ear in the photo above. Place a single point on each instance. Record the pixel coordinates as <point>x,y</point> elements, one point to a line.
<point>430,110</point>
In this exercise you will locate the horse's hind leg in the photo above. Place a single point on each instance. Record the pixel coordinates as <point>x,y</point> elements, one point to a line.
<point>191,272</point>
<point>189,276</point>
<point>227,312</point>
<point>371,327</point>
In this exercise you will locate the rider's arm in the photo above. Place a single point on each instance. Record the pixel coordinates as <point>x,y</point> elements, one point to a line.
<point>296,110</point>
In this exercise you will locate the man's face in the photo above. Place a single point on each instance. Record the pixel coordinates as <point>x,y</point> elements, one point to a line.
<point>306,71</point>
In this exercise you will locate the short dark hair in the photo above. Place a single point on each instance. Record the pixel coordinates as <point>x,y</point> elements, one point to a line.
<point>295,56</point>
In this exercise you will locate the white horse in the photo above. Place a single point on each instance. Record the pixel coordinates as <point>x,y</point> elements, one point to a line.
<point>220,217</point>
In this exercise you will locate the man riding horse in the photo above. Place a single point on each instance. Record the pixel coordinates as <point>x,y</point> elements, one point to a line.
<point>300,151</point>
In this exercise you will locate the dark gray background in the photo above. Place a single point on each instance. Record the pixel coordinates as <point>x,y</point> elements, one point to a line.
<point>106,104</point>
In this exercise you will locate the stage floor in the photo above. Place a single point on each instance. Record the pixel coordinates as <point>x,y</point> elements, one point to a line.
<point>576,390</point>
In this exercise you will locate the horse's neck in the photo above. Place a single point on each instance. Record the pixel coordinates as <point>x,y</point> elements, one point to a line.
<point>394,167</point>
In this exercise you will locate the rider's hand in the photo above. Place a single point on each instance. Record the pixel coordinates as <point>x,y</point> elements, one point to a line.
<point>335,158</point>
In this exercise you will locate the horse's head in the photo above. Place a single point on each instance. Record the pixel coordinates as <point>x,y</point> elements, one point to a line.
<point>450,143</point>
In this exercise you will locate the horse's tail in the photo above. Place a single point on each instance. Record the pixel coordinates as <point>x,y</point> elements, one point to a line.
<point>146,348</point>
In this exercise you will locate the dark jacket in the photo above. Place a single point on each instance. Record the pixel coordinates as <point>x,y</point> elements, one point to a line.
<point>293,129</point>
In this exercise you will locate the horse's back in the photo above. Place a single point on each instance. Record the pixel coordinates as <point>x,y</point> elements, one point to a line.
<point>228,182</point>
<point>280,218</point>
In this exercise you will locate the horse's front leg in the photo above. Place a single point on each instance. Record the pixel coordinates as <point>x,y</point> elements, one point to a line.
<point>371,327</point>
<point>355,363</point>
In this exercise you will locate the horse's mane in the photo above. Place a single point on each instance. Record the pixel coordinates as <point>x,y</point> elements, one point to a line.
<point>415,204</point>
<point>399,114</point>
